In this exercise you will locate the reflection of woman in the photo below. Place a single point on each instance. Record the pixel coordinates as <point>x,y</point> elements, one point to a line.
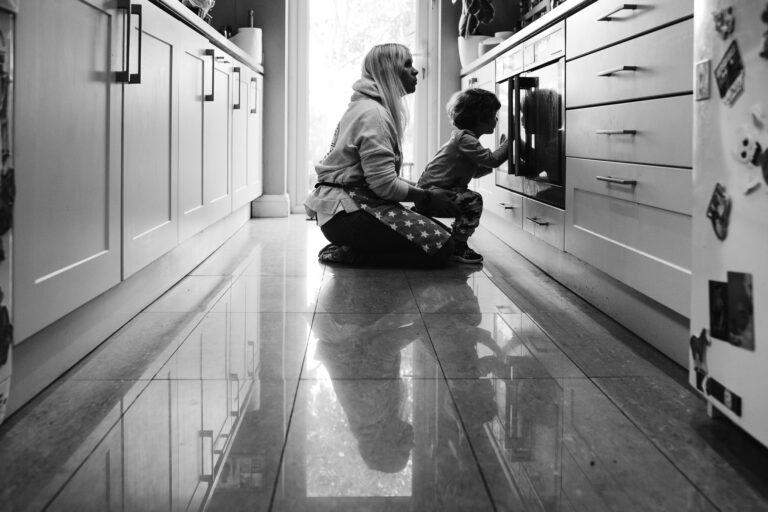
<point>357,198</point>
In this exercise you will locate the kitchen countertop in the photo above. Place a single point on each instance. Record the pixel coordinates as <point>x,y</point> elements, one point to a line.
<point>557,14</point>
<point>183,13</point>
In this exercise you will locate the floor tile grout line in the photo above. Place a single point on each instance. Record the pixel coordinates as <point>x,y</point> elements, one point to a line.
<point>461,419</point>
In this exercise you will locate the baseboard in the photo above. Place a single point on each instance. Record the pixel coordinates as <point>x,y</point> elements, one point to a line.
<point>656,324</point>
<point>49,353</point>
<point>271,205</point>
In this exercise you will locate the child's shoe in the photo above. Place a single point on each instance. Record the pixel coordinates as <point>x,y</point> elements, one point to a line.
<point>462,253</point>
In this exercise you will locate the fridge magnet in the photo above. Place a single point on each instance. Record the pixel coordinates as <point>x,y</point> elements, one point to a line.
<point>741,322</point>
<point>729,75</point>
<point>752,186</point>
<point>724,22</point>
<point>718,310</point>
<point>702,79</point>
<point>747,149</point>
<point>719,211</point>
<point>758,116</point>
<point>764,17</point>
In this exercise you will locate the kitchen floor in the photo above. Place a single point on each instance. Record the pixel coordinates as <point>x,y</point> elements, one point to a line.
<point>267,381</point>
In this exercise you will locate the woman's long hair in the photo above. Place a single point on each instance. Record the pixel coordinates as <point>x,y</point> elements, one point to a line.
<point>383,64</point>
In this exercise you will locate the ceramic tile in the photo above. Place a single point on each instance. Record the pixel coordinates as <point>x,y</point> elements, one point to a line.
<point>475,294</point>
<point>366,295</point>
<point>232,257</point>
<point>255,294</point>
<point>562,441</point>
<point>711,453</point>
<point>491,344</point>
<point>457,270</point>
<point>369,346</point>
<point>385,444</point>
<point>193,293</point>
<point>140,348</point>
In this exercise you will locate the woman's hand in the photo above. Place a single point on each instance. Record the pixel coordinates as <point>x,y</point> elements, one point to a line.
<point>437,203</point>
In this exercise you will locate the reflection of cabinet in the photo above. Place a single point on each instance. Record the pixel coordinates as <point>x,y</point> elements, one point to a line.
<point>150,143</point>
<point>67,214</point>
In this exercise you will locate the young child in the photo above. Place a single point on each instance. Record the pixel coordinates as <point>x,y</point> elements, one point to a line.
<point>474,113</point>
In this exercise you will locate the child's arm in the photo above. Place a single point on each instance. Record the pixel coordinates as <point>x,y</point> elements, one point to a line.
<point>484,170</point>
<point>482,156</point>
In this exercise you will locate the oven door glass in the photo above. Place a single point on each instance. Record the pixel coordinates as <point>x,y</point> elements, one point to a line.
<point>539,114</point>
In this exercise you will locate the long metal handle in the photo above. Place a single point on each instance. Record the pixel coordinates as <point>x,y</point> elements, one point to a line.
<point>612,71</point>
<point>211,54</point>
<point>616,132</point>
<point>125,76</point>
<point>622,7</point>
<point>255,109</point>
<point>235,379</point>
<point>538,222</point>
<point>516,124</point>
<point>507,206</point>
<point>618,181</point>
<point>236,106</point>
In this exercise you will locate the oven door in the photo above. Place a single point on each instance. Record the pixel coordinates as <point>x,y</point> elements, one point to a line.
<point>536,117</point>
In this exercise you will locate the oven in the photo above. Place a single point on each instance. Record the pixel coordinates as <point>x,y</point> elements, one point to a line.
<point>533,117</point>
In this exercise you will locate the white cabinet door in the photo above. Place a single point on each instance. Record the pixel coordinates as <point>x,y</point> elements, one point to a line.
<point>67,216</point>
<point>204,113</point>
<point>255,136</point>
<point>150,142</point>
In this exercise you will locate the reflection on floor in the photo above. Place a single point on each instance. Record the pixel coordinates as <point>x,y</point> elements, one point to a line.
<point>266,381</point>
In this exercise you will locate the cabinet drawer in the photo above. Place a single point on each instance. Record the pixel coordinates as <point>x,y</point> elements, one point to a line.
<point>667,188</point>
<point>544,222</point>
<point>482,76</point>
<point>605,22</point>
<point>504,204</point>
<point>662,132</point>
<point>635,239</point>
<point>655,64</point>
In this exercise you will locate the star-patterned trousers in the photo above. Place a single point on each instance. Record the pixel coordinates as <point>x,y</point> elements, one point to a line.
<point>470,204</point>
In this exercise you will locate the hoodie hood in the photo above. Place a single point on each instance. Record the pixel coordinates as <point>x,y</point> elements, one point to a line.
<point>365,88</point>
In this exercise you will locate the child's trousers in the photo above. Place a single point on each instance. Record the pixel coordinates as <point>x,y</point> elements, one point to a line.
<point>471,205</point>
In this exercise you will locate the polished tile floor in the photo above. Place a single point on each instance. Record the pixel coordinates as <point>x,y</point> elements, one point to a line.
<point>266,381</point>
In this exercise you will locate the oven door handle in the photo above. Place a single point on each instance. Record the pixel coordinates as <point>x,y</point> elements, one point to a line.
<point>516,124</point>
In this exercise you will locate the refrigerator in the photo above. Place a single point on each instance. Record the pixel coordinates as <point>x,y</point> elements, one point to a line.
<point>8,9</point>
<point>729,292</point>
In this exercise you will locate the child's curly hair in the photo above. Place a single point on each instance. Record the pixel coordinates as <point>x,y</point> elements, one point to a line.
<point>468,108</point>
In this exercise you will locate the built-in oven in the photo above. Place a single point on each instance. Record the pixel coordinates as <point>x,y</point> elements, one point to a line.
<point>531,88</point>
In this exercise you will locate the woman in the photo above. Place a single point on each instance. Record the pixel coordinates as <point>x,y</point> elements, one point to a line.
<point>357,197</point>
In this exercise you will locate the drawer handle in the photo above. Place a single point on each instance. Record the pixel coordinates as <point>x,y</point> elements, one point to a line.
<point>538,222</point>
<point>507,206</point>
<point>612,71</point>
<point>618,181</point>
<point>212,55</point>
<point>616,132</point>
<point>622,7</point>
<point>236,69</point>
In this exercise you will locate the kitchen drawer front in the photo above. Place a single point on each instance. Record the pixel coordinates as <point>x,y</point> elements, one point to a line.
<point>642,245</point>
<point>586,32</point>
<point>544,222</point>
<point>663,132</point>
<point>509,63</point>
<point>482,76</point>
<point>662,60</point>
<point>504,204</point>
<point>667,188</point>
<point>545,47</point>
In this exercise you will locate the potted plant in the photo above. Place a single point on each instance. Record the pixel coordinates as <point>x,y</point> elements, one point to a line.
<point>473,12</point>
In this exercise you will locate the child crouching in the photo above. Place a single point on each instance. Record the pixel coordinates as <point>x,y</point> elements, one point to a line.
<point>474,113</point>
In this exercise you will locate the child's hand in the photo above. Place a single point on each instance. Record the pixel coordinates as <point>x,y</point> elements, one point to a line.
<point>502,139</point>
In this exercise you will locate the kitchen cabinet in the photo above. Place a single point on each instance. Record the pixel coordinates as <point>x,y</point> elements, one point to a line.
<point>204,123</point>
<point>67,223</point>
<point>150,141</point>
<point>247,131</point>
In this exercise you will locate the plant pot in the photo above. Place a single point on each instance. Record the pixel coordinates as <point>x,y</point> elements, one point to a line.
<point>468,47</point>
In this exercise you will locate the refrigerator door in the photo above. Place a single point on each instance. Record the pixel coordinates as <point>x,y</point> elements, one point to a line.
<point>729,355</point>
